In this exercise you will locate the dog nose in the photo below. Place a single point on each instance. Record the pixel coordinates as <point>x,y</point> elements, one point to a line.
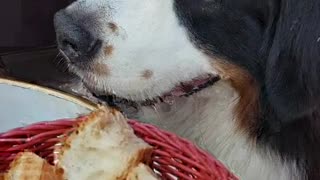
<point>74,39</point>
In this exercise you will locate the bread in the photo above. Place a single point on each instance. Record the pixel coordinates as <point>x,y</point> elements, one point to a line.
<point>142,172</point>
<point>104,147</point>
<point>29,166</point>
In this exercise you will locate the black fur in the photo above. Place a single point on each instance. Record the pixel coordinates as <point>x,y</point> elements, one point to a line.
<point>278,42</point>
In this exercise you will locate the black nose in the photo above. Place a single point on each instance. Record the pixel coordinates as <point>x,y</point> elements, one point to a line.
<point>74,39</point>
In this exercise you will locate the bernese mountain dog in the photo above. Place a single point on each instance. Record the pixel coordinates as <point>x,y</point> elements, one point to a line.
<point>172,54</point>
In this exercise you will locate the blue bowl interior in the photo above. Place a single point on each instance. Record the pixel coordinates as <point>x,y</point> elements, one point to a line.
<point>20,106</point>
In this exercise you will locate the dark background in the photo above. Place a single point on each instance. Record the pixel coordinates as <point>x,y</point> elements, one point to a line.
<point>27,45</point>
<point>27,23</point>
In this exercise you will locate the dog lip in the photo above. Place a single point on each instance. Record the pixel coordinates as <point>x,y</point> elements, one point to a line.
<point>184,89</point>
<point>193,86</point>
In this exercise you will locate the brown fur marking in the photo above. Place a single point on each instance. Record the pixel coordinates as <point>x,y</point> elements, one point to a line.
<point>247,108</point>
<point>108,50</point>
<point>113,27</point>
<point>100,69</point>
<point>147,74</point>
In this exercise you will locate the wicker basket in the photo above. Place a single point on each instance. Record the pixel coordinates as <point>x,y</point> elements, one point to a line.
<point>173,157</point>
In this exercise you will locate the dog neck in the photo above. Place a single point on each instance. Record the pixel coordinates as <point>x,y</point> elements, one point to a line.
<point>207,119</point>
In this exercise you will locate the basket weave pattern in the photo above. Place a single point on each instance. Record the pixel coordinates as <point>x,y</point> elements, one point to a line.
<point>173,157</point>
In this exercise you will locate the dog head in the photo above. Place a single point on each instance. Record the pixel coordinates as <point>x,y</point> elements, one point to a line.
<point>144,49</point>
<point>136,50</point>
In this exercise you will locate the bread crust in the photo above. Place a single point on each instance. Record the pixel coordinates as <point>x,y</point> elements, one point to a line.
<point>29,166</point>
<point>103,146</point>
<point>94,128</point>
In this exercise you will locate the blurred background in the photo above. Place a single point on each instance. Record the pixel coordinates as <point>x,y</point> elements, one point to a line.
<point>27,45</point>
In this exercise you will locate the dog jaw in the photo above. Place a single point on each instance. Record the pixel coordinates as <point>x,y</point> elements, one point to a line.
<point>145,37</point>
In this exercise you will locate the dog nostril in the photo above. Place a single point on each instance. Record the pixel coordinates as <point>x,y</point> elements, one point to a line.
<point>74,38</point>
<point>69,45</point>
<point>94,46</point>
<point>85,47</point>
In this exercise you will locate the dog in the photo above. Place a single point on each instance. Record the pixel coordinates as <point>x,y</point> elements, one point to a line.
<point>172,54</point>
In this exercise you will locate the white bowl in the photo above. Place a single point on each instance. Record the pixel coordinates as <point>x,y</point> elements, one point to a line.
<point>22,104</point>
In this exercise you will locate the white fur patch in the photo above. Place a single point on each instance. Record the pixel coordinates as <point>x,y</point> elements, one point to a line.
<point>149,38</point>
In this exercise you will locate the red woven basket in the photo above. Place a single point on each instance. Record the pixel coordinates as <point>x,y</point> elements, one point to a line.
<point>173,157</point>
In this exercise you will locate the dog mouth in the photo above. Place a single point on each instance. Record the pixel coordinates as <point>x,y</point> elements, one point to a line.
<point>183,89</point>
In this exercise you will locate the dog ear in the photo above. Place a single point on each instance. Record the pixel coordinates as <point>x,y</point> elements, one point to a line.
<point>293,66</point>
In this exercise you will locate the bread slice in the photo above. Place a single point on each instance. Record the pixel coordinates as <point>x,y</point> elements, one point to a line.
<point>29,166</point>
<point>142,172</point>
<point>104,147</point>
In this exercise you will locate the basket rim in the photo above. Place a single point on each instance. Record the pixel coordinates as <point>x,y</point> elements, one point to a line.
<point>52,92</point>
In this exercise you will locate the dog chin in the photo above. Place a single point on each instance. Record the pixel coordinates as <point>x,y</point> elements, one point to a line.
<point>131,107</point>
